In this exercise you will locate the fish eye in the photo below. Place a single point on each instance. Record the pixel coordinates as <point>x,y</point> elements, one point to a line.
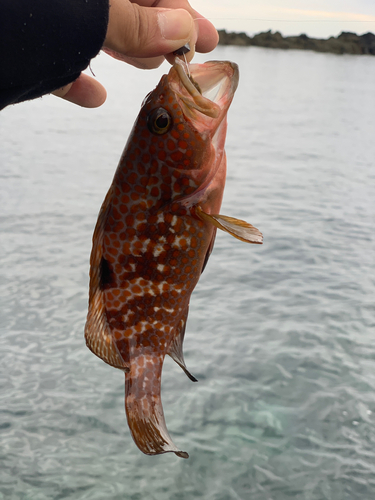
<point>159,121</point>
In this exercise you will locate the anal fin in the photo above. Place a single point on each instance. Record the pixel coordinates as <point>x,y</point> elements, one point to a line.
<point>238,228</point>
<point>175,350</point>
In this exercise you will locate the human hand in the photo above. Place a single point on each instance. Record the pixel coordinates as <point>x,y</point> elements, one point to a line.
<point>143,35</point>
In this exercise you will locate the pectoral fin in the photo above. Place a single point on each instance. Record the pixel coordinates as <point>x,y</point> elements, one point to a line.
<point>238,228</point>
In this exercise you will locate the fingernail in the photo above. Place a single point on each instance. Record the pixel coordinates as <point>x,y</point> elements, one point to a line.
<point>175,24</point>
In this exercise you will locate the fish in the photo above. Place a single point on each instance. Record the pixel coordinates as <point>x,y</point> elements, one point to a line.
<point>154,234</point>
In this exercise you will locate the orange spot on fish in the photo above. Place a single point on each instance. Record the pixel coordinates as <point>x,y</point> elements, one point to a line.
<point>132,178</point>
<point>154,340</point>
<point>164,170</point>
<point>138,245</point>
<point>129,219</point>
<point>177,156</point>
<point>119,226</point>
<point>140,189</point>
<point>126,248</point>
<point>162,155</point>
<point>170,238</point>
<point>116,214</point>
<point>171,145</point>
<point>128,332</point>
<point>154,167</point>
<point>193,242</point>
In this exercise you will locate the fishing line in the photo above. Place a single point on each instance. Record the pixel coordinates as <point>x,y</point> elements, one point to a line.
<point>187,65</point>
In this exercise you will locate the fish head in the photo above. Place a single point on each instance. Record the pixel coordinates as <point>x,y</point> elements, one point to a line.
<point>183,121</point>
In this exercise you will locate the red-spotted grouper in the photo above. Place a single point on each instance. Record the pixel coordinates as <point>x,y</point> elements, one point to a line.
<point>154,234</point>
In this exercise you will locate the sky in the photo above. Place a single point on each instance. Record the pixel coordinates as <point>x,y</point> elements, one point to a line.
<point>316,18</point>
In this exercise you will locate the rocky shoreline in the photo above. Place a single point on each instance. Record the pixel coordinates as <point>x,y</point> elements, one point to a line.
<point>345,43</point>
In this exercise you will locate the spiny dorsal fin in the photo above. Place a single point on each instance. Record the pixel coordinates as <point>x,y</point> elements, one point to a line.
<point>238,228</point>
<point>175,350</point>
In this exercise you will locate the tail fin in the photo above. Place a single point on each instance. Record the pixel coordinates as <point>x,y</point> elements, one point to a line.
<point>143,407</point>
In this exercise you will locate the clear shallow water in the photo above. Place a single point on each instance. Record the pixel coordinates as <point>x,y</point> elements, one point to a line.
<point>281,337</point>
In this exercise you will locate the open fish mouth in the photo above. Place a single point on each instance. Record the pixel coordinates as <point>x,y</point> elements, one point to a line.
<point>207,88</point>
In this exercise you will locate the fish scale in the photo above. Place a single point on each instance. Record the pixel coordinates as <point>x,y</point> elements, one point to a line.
<point>154,234</point>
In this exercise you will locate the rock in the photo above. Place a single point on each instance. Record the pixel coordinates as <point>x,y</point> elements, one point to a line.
<point>368,43</point>
<point>233,38</point>
<point>345,43</point>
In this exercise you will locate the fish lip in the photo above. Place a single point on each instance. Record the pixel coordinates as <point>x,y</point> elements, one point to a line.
<point>217,80</point>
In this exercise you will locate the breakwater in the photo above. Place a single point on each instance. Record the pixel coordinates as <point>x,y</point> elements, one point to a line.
<point>345,43</point>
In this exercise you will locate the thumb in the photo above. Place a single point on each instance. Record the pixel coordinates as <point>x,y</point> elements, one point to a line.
<point>148,31</point>
<point>85,91</point>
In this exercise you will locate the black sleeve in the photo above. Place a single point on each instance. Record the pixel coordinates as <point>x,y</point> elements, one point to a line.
<point>45,44</point>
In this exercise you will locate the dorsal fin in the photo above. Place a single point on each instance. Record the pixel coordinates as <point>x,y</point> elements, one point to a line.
<point>238,228</point>
<point>97,332</point>
<point>175,350</point>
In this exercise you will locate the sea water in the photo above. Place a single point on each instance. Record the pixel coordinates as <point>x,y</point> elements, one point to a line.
<point>281,337</point>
